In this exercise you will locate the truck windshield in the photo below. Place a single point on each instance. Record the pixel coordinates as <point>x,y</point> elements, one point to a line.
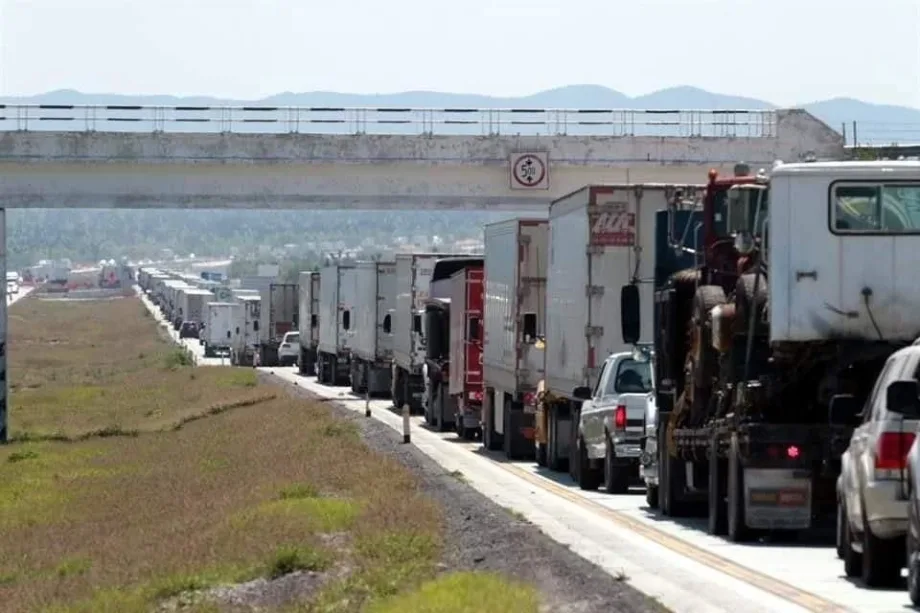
<point>631,377</point>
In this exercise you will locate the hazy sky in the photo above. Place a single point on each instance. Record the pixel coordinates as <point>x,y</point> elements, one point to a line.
<point>783,51</point>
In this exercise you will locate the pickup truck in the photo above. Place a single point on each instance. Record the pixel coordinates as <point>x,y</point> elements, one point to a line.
<point>611,423</point>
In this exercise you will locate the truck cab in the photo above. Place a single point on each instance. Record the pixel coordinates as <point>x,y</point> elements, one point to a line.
<point>612,421</point>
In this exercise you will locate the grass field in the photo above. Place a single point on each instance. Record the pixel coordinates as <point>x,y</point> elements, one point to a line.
<point>135,478</point>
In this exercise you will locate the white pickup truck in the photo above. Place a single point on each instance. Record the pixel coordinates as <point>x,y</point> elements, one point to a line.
<point>611,424</point>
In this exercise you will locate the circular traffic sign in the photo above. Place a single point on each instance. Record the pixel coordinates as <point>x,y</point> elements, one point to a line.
<point>528,170</point>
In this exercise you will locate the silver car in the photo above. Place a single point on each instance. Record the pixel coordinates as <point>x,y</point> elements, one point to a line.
<point>872,506</point>
<point>611,423</point>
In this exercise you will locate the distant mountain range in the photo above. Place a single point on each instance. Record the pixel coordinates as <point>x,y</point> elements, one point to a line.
<point>875,123</point>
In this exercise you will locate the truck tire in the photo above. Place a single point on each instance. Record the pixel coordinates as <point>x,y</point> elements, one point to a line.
<point>707,297</point>
<point>589,478</point>
<point>738,531</point>
<point>717,515</point>
<point>616,476</point>
<point>745,300</point>
<point>302,363</point>
<point>553,459</point>
<point>444,422</point>
<point>491,439</point>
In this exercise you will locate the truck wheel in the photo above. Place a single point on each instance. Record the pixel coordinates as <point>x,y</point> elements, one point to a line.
<point>718,521</point>
<point>540,452</point>
<point>852,559</point>
<point>651,496</point>
<point>444,424</point>
<point>588,478</point>
<point>616,476</point>
<point>881,558</point>
<point>552,444</point>
<point>491,440</point>
<point>738,532</point>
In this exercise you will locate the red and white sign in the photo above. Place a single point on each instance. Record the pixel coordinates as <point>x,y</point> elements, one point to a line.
<point>613,229</point>
<point>530,170</point>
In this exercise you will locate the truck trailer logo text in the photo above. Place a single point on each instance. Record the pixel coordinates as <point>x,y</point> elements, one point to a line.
<point>613,229</point>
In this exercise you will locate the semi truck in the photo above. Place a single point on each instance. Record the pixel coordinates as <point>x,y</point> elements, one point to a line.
<point>308,320</point>
<point>413,276</point>
<point>601,237</point>
<point>439,405</point>
<point>281,302</point>
<point>193,304</point>
<point>465,339</point>
<point>220,327</point>
<point>516,256</point>
<point>372,345</point>
<point>336,305</point>
<point>246,342</point>
<point>770,345</point>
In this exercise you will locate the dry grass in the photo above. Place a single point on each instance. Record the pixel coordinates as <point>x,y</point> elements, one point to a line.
<point>84,367</point>
<point>115,524</point>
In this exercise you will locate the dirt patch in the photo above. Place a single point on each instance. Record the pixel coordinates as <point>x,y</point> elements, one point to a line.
<point>485,537</point>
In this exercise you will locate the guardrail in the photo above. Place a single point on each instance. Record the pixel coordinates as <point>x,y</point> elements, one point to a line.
<point>345,120</point>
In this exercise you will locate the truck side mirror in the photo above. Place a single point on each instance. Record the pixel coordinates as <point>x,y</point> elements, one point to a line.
<point>843,410</point>
<point>629,313</point>
<point>903,397</point>
<point>582,393</point>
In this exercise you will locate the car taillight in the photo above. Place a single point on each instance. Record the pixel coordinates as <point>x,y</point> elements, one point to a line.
<point>891,451</point>
<point>619,417</point>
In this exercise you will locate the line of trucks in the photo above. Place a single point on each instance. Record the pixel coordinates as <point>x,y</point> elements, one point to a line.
<point>713,341</point>
<point>248,323</point>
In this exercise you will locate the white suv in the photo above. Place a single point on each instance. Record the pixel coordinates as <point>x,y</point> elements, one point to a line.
<point>289,351</point>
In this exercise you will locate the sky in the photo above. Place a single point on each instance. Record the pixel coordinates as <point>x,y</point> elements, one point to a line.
<point>786,52</point>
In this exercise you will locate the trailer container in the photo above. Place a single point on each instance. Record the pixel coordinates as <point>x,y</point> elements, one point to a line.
<point>281,300</point>
<point>220,327</point>
<point>465,368</point>
<point>516,257</point>
<point>372,346</point>
<point>308,320</point>
<point>601,237</point>
<point>248,339</point>
<point>336,330</point>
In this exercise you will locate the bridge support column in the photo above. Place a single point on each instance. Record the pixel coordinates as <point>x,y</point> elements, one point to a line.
<point>4,387</point>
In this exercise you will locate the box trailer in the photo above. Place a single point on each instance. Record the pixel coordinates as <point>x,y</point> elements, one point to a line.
<point>336,307</point>
<point>280,300</point>
<point>220,327</point>
<point>601,237</point>
<point>465,369</point>
<point>308,289</point>
<point>516,257</point>
<point>246,342</point>
<point>372,345</point>
<point>413,275</point>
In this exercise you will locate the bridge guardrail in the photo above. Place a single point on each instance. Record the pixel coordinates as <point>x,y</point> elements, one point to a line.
<point>353,120</point>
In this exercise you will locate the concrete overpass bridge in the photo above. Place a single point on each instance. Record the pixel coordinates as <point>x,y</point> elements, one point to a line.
<point>269,157</point>
<point>68,156</point>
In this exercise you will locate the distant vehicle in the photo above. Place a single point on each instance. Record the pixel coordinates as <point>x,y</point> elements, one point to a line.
<point>189,329</point>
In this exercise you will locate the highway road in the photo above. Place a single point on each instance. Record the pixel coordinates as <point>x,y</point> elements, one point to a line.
<point>675,561</point>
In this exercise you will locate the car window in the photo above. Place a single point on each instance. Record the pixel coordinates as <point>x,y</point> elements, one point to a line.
<point>631,377</point>
<point>872,401</point>
<point>600,379</point>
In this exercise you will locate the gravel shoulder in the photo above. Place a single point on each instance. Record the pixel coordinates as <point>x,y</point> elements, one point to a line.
<point>481,535</point>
